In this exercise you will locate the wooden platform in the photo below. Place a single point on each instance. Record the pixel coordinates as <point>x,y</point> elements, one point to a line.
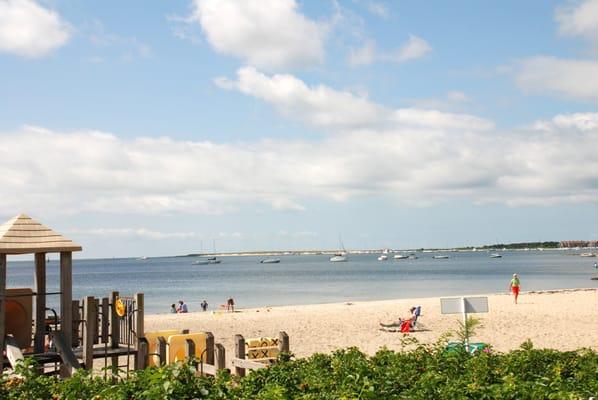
<point>101,351</point>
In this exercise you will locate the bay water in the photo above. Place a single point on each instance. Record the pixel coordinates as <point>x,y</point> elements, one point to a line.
<point>311,279</point>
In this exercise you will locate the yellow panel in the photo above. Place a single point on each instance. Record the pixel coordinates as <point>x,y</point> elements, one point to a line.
<point>177,345</point>
<point>153,348</point>
<point>256,348</point>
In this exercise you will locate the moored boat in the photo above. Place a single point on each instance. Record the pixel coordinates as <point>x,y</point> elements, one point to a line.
<point>270,261</point>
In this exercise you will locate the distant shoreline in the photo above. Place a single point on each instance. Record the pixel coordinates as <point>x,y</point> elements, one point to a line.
<point>376,251</point>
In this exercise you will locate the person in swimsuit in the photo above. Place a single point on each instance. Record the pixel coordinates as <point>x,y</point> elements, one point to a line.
<point>514,286</point>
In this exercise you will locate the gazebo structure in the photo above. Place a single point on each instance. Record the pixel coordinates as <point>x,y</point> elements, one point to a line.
<point>23,235</point>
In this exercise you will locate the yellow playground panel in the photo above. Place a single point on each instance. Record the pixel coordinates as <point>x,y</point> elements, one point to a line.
<point>152,347</point>
<point>176,350</point>
<point>264,349</point>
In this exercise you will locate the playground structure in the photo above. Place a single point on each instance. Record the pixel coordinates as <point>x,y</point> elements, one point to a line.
<point>80,331</point>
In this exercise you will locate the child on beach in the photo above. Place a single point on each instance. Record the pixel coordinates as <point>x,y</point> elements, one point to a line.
<point>514,286</point>
<point>204,305</point>
<point>173,309</point>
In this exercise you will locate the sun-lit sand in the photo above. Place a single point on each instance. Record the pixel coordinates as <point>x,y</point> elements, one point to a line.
<point>563,320</point>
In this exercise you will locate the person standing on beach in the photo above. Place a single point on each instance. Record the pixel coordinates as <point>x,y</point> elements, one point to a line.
<point>514,286</point>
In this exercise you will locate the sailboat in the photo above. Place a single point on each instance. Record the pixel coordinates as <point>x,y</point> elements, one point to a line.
<point>340,256</point>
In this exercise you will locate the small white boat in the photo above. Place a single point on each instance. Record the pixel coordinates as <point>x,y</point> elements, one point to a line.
<point>588,255</point>
<point>270,261</point>
<point>200,262</point>
<point>341,256</point>
<point>495,255</point>
<point>338,258</point>
<point>383,257</point>
<point>412,257</point>
<point>142,258</point>
<point>440,257</point>
<point>400,256</point>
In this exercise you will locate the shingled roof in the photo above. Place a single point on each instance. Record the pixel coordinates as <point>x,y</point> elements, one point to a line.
<point>22,235</point>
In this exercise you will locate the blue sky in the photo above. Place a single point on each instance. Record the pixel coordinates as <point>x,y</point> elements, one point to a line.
<point>153,128</point>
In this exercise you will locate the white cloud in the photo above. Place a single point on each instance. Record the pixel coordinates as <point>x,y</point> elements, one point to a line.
<point>126,48</point>
<point>413,49</point>
<point>270,34</point>
<point>365,55</point>
<point>376,8</point>
<point>580,122</point>
<point>144,233</point>
<point>325,107</point>
<point>418,164</point>
<point>579,19</point>
<point>576,79</point>
<point>30,30</point>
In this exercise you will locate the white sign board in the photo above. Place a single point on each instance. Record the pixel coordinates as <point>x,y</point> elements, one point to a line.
<point>472,305</point>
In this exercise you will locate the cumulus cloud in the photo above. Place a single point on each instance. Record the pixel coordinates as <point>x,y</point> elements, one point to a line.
<point>326,107</point>
<point>576,79</point>
<point>30,30</point>
<point>579,19</point>
<point>271,34</point>
<point>552,161</point>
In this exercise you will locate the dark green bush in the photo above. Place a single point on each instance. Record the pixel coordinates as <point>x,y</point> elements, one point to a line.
<point>427,372</point>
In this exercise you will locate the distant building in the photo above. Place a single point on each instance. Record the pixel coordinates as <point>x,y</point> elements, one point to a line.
<point>579,243</point>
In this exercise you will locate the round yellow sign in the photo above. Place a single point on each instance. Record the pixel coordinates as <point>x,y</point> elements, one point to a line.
<point>120,308</point>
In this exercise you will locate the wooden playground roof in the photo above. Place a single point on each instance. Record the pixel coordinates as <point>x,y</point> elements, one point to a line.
<point>22,235</point>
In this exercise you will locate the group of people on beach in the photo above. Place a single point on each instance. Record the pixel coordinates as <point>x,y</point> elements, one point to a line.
<point>181,307</point>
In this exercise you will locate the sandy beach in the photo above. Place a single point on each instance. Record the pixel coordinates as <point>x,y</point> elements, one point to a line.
<point>564,319</point>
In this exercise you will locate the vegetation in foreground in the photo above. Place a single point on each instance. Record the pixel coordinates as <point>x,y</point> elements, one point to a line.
<point>427,372</point>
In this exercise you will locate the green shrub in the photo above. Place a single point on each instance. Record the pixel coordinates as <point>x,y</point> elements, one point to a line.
<point>427,372</point>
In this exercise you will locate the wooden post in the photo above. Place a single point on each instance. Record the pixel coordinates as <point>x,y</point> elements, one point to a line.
<point>283,342</point>
<point>105,319</point>
<point>89,314</point>
<point>220,356</point>
<point>114,321</point>
<point>209,359</point>
<point>190,351</point>
<point>40,302</point>
<point>161,348</point>
<point>66,295</point>
<point>139,327</point>
<point>76,323</point>
<point>239,353</point>
<point>66,303</point>
<point>114,332</point>
<point>2,307</point>
<point>141,355</point>
<point>96,332</point>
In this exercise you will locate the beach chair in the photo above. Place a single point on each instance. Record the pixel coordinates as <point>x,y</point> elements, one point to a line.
<point>407,325</point>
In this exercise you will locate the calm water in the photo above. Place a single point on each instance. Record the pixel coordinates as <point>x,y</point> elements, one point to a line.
<point>312,279</point>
